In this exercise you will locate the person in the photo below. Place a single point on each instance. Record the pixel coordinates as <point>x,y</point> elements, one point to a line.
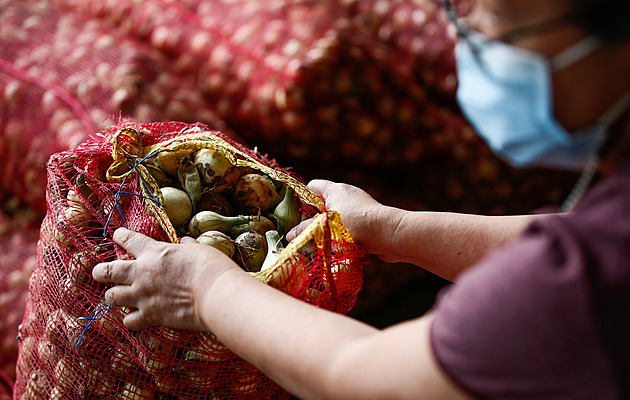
<point>540,305</point>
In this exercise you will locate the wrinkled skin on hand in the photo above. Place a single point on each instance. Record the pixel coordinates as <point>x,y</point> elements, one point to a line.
<point>360,213</point>
<point>163,281</point>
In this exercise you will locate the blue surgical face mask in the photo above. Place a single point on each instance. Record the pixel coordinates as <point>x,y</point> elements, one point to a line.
<point>505,92</point>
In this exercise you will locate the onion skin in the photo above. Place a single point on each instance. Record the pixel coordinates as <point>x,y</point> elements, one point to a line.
<point>219,241</point>
<point>251,250</point>
<point>216,171</point>
<point>255,193</point>
<point>213,201</point>
<point>287,211</point>
<point>177,205</point>
<point>205,221</point>
<point>259,223</point>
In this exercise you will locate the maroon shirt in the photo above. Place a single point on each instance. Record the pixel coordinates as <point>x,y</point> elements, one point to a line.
<point>547,317</point>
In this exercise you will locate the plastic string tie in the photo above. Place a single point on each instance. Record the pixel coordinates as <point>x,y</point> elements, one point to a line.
<point>101,312</point>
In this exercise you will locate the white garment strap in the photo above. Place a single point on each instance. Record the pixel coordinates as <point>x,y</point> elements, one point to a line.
<point>616,110</point>
<point>591,166</point>
<point>575,53</point>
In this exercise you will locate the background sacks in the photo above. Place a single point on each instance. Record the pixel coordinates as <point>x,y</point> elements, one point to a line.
<point>108,182</point>
<point>63,77</point>
<point>18,258</point>
<point>353,90</point>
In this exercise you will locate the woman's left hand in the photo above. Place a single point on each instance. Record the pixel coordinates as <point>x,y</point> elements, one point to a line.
<point>165,281</point>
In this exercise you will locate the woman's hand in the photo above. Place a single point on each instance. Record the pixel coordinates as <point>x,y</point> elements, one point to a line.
<point>367,220</point>
<point>164,282</point>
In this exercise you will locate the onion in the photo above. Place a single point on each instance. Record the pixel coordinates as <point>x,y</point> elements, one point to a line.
<point>251,250</point>
<point>219,241</point>
<point>135,392</point>
<point>255,193</point>
<point>64,376</point>
<point>287,212</point>
<point>243,384</point>
<point>274,249</point>
<point>202,376</point>
<point>177,205</point>
<point>205,221</point>
<point>122,363</point>
<point>258,223</point>
<point>216,171</point>
<point>213,201</point>
<point>157,354</point>
<point>190,180</point>
<point>97,383</point>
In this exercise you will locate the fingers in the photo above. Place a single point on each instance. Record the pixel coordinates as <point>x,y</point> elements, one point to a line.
<point>131,241</point>
<point>136,321</point>
<point>318,185</point>
<point>299,228</point>
<point>188,240</point>
<point>121,296</point>
<point>118,272</point>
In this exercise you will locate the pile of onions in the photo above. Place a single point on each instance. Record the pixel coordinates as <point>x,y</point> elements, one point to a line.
<point>63,77</point>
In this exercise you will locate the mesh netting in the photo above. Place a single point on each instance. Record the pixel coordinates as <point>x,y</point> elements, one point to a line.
<point>74,346</point>
<point>359,91</point>
<point>296,70</point>
<point>18,257</point>
<point>63,77</point>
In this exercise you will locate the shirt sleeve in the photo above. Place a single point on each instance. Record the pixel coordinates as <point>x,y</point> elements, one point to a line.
<point>520,326</point>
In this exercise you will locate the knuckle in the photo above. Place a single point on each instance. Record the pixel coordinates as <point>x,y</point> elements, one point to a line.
<point>107,271</point>
<point>111,297</point>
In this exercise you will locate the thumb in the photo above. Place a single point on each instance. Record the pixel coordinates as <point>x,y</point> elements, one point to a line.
<point>132,241</point>
<point>188,240</point>
<point>299,228</point>
<point>319,185</point>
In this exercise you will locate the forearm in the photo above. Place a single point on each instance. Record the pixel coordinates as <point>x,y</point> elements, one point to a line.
<point>318,354</point>
<point>443,243</point>
<point>291,341</point>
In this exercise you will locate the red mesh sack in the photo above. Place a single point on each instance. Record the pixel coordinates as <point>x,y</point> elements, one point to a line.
<point>18,257</point>
<point>62,76</point>
<point>74,346</point>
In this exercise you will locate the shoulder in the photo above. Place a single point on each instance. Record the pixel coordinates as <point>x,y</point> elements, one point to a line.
<point>527,319</point>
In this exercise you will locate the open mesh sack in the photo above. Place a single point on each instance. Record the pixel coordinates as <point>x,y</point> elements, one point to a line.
<point>74,346</point>
<point>63,76</point>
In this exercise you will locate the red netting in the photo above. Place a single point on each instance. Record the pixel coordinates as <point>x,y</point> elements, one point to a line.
<point>18,257</point>
<point>105,183</point>
<point>353,90</point>
<point>63,77</point>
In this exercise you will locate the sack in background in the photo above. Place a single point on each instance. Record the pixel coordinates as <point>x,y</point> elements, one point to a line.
<point>63,77</point>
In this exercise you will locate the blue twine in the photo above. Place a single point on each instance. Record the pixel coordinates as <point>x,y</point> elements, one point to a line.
<point>94,317</point>
<point>98,313</point>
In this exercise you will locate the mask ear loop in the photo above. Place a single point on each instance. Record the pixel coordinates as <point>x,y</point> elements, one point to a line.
<point>589,170</point>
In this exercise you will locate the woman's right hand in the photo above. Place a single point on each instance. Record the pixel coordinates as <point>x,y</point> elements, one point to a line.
<point>360,213</point>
